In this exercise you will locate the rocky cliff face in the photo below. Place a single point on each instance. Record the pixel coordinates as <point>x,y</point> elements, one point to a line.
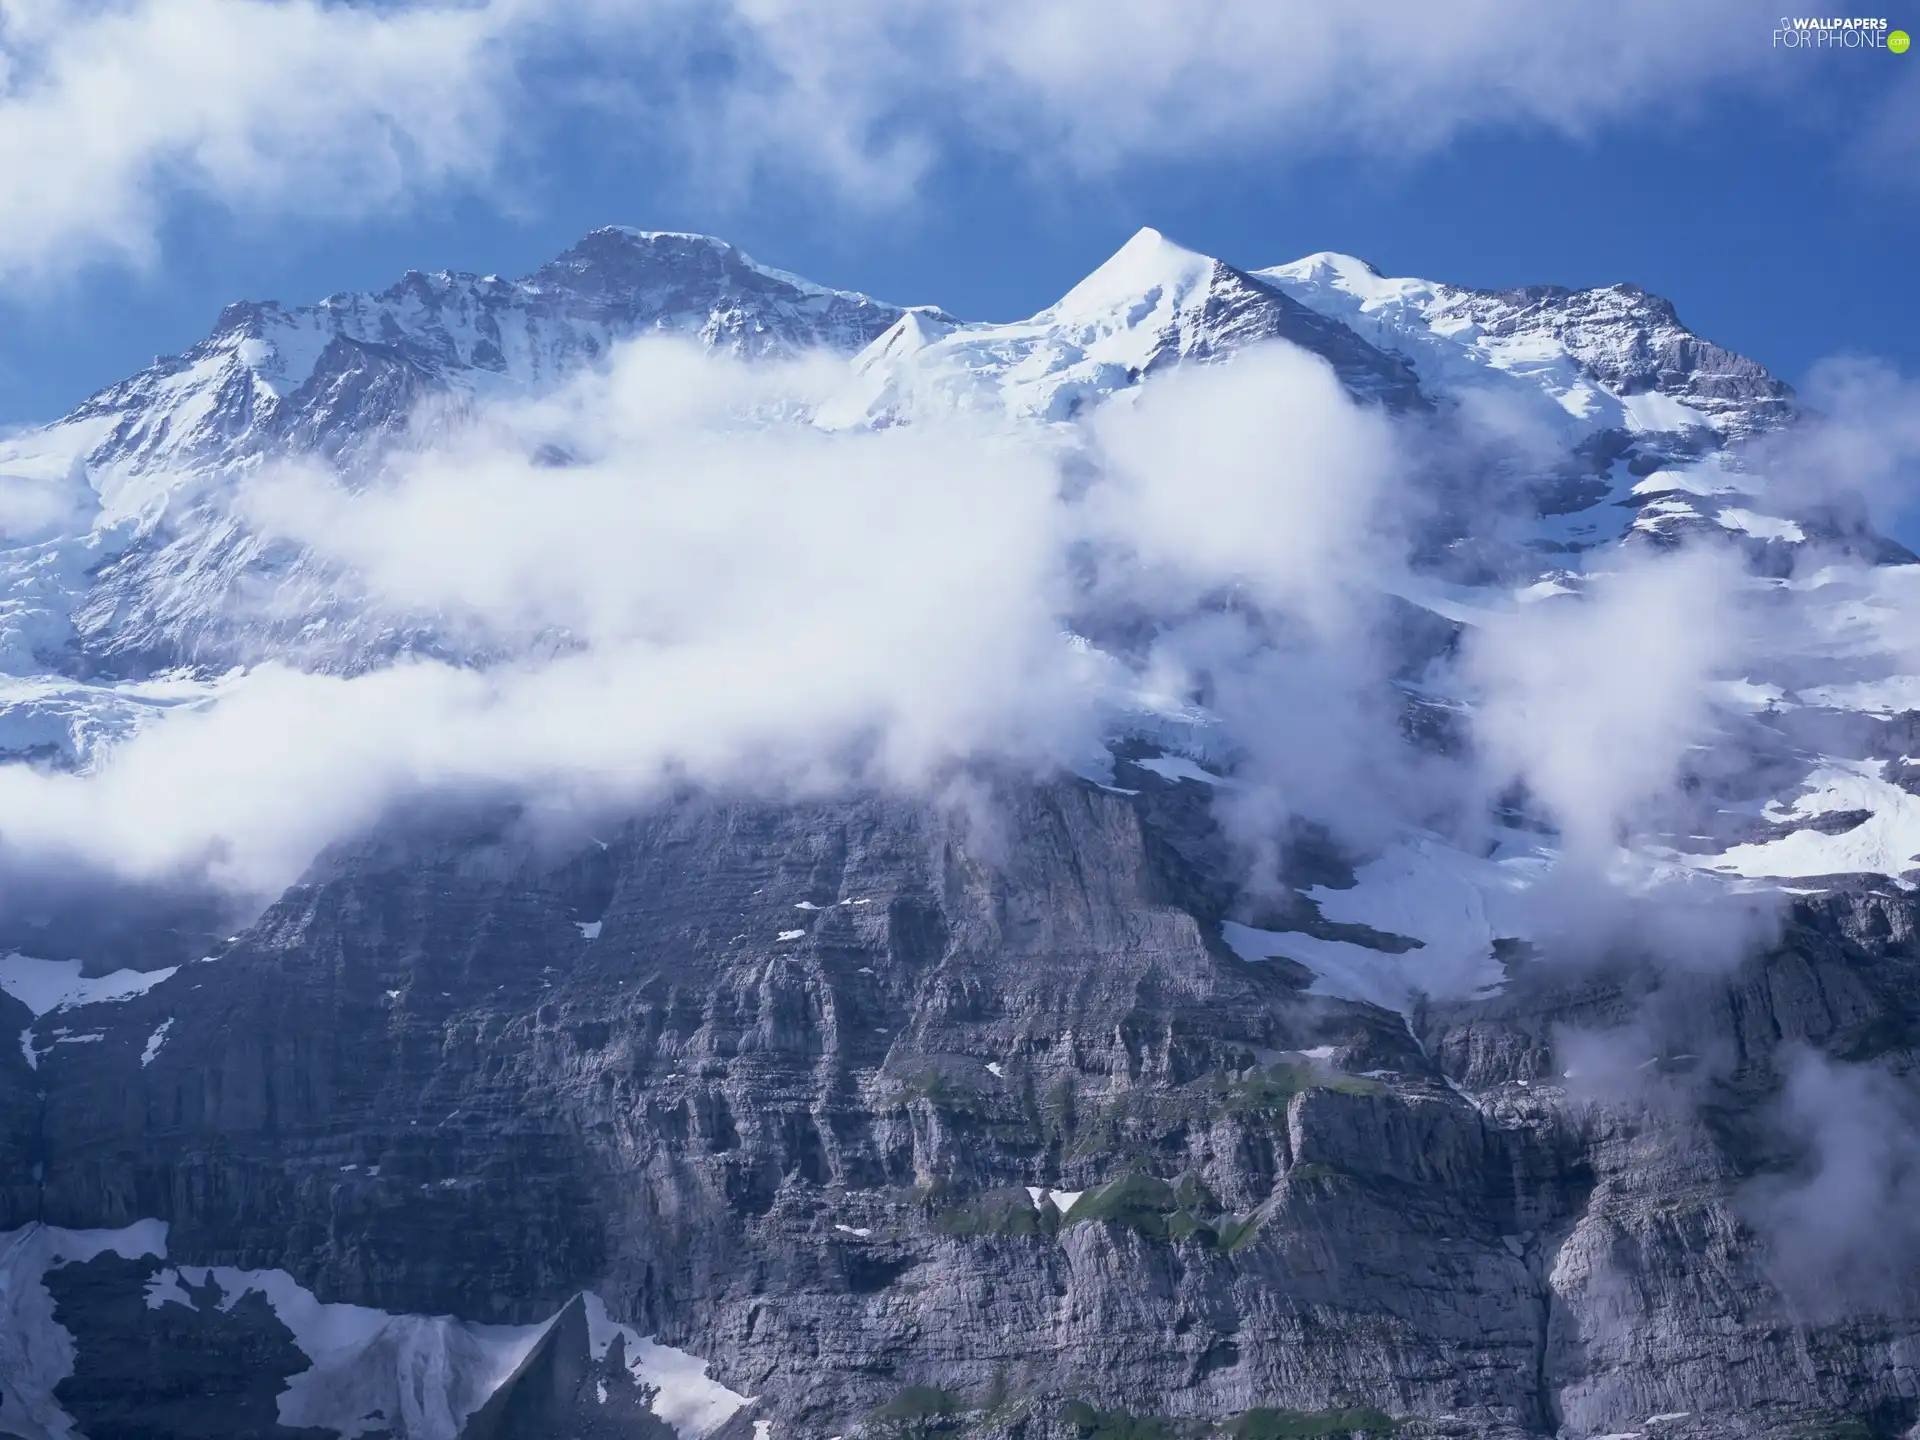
<point>904,1129</point>
<point>1019,1112</point>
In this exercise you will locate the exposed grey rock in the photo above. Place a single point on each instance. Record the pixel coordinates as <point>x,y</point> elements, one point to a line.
<point>415,1085</point>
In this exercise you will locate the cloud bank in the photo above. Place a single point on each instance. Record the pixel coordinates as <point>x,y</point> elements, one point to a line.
<point>112,109</point>
<point>662,574</point>
<point>710,590</point>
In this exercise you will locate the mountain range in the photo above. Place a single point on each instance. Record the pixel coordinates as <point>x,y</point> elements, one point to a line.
<point>834,1109</point>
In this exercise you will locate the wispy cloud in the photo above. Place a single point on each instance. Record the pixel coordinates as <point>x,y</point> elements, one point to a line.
<point>111,111</point>
<point>707,593</point>
<point>106,110</point>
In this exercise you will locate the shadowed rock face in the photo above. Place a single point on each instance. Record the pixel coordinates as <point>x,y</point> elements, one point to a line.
<point>782,1110</point>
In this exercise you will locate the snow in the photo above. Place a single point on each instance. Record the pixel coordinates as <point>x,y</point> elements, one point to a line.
<point>1761,527</point>
<point>372,1372</point>
<point>1061,1200</point>
<point>1535,361</point>
<point>1888,695</point>
<point>1886,843</point>
<point>1651,411</point>
<point>1149,276</point>
<point>790,935</point>
<point>1749,694</point>
<point>1178,767</point>
<point>859,1232</point>
<point>36,1351</point>
<point>996,1069</point>
<point>688,1400</point>
<point>154,1042</point>
<point>589,929</point>
<point>47,985</point>
<point>1455,904</point>
<point>1146,300</point>
<point>1704,480</point>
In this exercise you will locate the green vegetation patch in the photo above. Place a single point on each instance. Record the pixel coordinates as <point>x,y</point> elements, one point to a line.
<point>1839,1430</point>
<point>941,1093</point>
<point>1232,1234</point>
<point>1115,1424</point>
<point>993,1212</point>
<point>1267,1093</point>
<point>919,1403</point>
<point>1139,1202</point>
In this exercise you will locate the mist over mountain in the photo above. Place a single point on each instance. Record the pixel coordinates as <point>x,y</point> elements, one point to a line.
<point>656,847</point>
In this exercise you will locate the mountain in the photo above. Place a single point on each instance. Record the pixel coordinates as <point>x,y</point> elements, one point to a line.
<point>1026,1108</point>
<point>340,376</point>
<point>144,574</point>
<point>1151,306</point>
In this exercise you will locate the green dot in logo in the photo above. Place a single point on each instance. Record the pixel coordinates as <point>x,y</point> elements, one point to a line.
<point>1898,41</point>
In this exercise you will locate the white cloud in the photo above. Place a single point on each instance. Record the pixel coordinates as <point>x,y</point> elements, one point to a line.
<point>761,604</point>
<point>1595,700</point>
<point>715,594</point>
<point>292,107</point>
<point>1841,1231</point>
<point>108,110</point>
<point>1094,83</point>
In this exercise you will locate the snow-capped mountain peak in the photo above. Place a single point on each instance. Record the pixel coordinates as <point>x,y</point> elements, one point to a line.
<point>1614,357</point>
<point>1152,303</point>
<point>135,566</point>
<point>340,376</point>
<point>1148,278</point>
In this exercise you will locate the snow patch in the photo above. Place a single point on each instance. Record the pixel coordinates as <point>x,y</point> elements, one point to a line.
<point>1889,695</point>
<point>1456,905</point>
<point>372,1372</point>
<point>154,1042</point>
<point>1178,767</point>
<point>1761,527</point>
<point>48,985</point>
<point>1887,842</point>
<point>685,1397</point>
<point>1061,1200</point>
<point>589,929</point>
<point>36,1351</point>
<point>790,935</point>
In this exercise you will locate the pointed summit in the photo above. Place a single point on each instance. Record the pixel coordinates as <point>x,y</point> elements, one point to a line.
<point>1149,268</point>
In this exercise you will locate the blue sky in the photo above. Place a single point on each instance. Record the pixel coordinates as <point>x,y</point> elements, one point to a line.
<point>1775,197</point>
